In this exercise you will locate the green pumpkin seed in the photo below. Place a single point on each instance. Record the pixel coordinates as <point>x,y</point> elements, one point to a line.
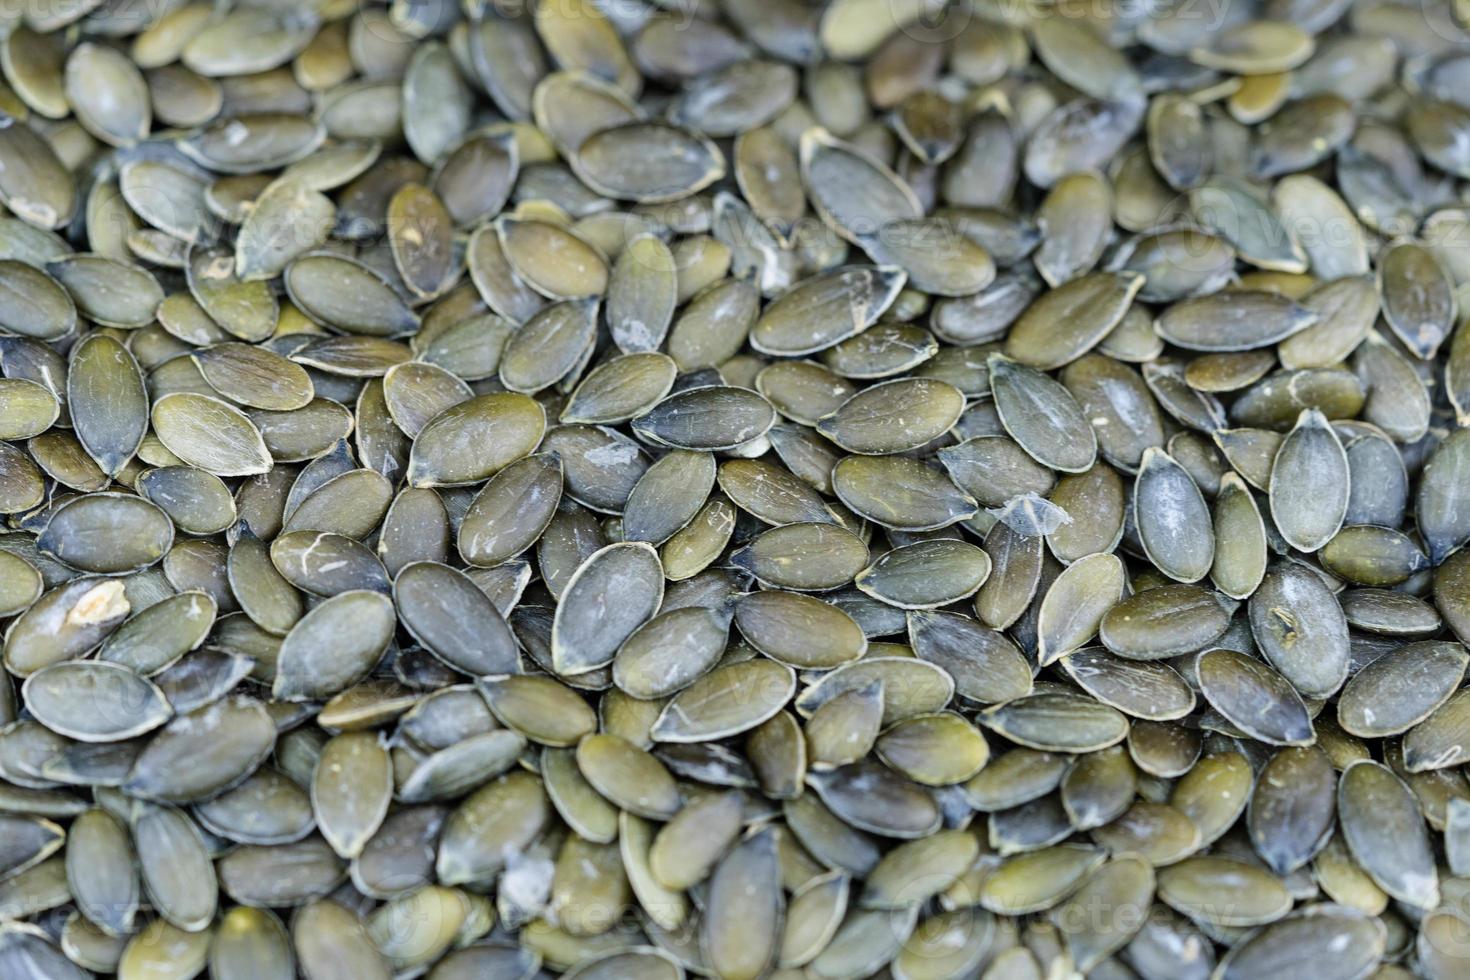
<point>345,294</point>
<point>189,760</point>
<point>1309,483</point>
<point>1080,599</point>
<point>1400,689</point>
<point>1385,833</point>
<point>1173,523</point>
<point>107,533</point>
<point>1300,627</point>
<point>1033,721</point>
<point>706,709</point>
<point>1048,335</point>
<point>32,303</point>
<point>926,574</point>
<point>1163,622</point>
<point>446,612</point>
<point>1418,301</point>
<point>360,624</point>
<point>1253,697</point>
<point>621,388</point>
<point>107,401</point>
<point>826,310</point>
<point>986,665</point>
<point>1041,416</point>
<point>94,702</point>
<point>210,434</point>
<point>505,426</point>
<point>710,418</point>
<point>1223,892</point>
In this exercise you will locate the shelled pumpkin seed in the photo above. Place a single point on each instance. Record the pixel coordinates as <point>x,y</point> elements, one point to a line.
<point>752,489</point>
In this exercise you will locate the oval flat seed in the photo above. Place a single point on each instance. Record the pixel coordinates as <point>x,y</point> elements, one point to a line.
<point>1253,697</point>
<point>1223,892</point>
<point>1385,832</point>
<point>799,630</point>
<point>326,564</point>
<point>1435,742</point>
<point>707,709</point>
<point>541,709</point>
<point>712,418</point>
<point>332,647</point>
<point>474,847</point>
<point>107,401</point>
<point>741,928</point>
<point>825,310</point>
<point>872,798</point>
<point>511,512</point>
<point>852,191</point>
<point>1418,301</point>
<point>986,665</point>
<point>936,750</point>
<point>803,557</point>
<point>1291,811</point>
<point>35,184</point>
<point>1077,602</point>
<point>1240,540</point>
<point>255,377</point>
<point>550,345</point>
<point>900,493</point>
<point>330,942</point>
<point>351,790</point>
<point>348,295</point>
<point>587,630</point>
<point>94,701</point>
<point>648,162</point>
<point>197,502</point>
<point>1301,629</point>
<point>263,248</point>
<point>1152,691</point>
<point>670,651</point>
<point>621,388</point>
<point>65,623</point>
<point>628,776</point>
<point>445,611</point>
<point>1042,416</point>
<point>1173,522</point>
<point>501,427</point>
<point>21,584</point>
<point>175,866</point>
<point>246,309</point>
<point>1336,939</point>
<point>189,759</point>
<point>1065,323</point>
<point>667,496</point>
<point>1057,722</point>
<point>1039,880</point>
<point>107,533</point>
<point>210,434</point>
<point>1401,688</point>
<point>1234,321</point>
<point>1438,511</point>
<point>1163,622</point>
<point>552,260</point>
<point>100,871</point>
<point>114,293</point>
<point>926,574</point>
<point>1309,483</point>
<point>33,304</point>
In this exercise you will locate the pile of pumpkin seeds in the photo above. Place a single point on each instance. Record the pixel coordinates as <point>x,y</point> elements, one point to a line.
<point>636,490</point>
